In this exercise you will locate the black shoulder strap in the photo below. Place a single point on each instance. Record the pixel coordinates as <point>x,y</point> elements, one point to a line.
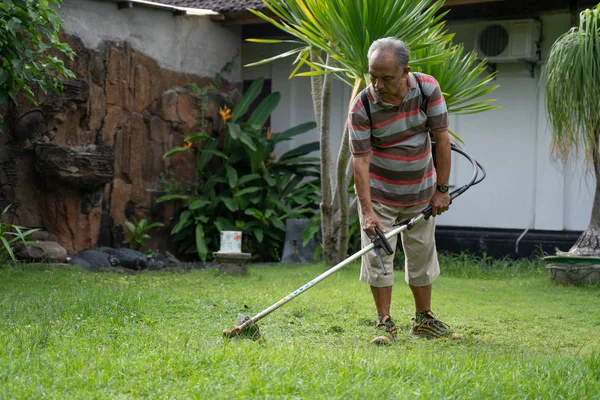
<point>425,98</point>
<point>365,100</point>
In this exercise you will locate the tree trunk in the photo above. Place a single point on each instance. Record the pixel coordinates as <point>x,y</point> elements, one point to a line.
<point>588,243</point>
<point>321,94</point>
<point>343,178</point>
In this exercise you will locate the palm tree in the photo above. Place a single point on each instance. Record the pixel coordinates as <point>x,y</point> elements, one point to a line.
<point>572,103</point>
<point>333,37</point>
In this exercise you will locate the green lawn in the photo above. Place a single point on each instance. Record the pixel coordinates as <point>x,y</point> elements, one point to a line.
<point>76,334</point>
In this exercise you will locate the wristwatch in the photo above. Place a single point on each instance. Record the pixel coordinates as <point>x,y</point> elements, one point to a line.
<point>442,188</point>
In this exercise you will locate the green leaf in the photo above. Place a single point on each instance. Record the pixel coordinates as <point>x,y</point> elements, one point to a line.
<point>293,132</point>
<point>310,232</point>
<point>252,189</point>
<point>174,151</point>
<point>259,235</point>
<point>8,248</point>
<point>248,178</point>
<point>248,142</point>
<point>196,204</point>
<point>264,109</point>
<point>229,203</point>
<point>130,226</point>
<point>232,176</point>
<point>256,214</point>
<point>198,136</point>
<point>247,99</point>
<point>200,243</point>
<point>301,150</point>
<point>278,224</point>
<point>4,75</point>
<point>235,131</point>
<point>171,197</point>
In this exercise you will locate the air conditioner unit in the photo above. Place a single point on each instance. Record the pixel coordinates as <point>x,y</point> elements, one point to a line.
<point>508,41</point>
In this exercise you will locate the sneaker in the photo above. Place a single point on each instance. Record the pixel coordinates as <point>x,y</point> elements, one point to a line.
<point>426,325</point>
<point>385,331</point>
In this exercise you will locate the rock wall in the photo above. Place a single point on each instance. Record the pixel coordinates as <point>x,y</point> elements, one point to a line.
<point>81,163</point>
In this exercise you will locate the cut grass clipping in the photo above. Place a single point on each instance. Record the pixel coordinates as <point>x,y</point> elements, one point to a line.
<point>76,334</point>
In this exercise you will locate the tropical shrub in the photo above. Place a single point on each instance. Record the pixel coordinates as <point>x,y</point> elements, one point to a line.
<point>28,46</point>
<point>241,186</point>
<point>11,235</point>
<point>138,230</point>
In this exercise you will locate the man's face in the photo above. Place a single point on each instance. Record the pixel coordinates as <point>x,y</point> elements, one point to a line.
<point>387,78</point>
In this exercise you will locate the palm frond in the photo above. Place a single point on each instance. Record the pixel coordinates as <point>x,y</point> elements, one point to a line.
<point>572,86</point>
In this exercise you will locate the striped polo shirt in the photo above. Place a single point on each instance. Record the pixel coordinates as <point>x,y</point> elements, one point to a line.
<point>401,170</point>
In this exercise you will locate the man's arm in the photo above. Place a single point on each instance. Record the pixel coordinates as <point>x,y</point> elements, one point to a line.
<point>441,201</point>
<point>362,185</point>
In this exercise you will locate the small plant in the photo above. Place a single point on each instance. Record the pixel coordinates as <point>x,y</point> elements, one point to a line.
<point>11,235</point>
<point>138,231</point>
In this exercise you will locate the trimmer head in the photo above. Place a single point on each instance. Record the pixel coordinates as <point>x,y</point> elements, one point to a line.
<point>244,329</point>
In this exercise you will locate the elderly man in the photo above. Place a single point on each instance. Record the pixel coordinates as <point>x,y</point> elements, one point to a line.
<point>395,178</point>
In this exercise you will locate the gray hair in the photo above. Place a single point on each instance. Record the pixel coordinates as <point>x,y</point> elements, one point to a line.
<point>396,45</point>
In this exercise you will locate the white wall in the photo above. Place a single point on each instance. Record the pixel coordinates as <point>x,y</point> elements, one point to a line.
<point>523,189</point>
<point>191,44</point>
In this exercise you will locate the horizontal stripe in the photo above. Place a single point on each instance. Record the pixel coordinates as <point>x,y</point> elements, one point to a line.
<point>395,189</point>
<point>434,111</point>
<point>407,170</point>
<point>396,204</point>
<point>413,140</point>
<point>402,200</point>
<point>435,103</point>
<point>402,127</point>
<point>402,158</point>
<point>397,117</point>
<point>403,182</point>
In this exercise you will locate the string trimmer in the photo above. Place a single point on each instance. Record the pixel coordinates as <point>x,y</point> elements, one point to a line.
<point>246,326</point>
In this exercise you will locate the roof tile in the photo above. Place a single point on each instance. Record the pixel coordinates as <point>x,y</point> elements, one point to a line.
<point>216,5</point>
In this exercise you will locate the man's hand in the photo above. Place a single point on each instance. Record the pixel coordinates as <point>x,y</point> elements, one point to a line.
<point>369,222</point>
<point>440,202</point>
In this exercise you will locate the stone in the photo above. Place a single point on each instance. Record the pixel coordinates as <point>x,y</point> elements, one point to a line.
<point>29,126</point>
<point>86,167</point>
<point>79,261</point>
<point>232,263</point>
<point>44,251</point>
<point>293,251</point>
<point>155,265</point>
<point>74,91</point>
<point>99,259</point>
<point>157,147</point>
<point>96,108</point>
<point>128,258</point>
<point>43,236</point>
<point>167,107</point>
<point>115,118</point>
<point>129,144</point>
<point>147,76</point>
<point>118,77</point>
<point>187,110</point>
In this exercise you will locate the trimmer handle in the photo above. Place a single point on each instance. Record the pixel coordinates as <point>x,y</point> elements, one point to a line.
<point>380,242</point>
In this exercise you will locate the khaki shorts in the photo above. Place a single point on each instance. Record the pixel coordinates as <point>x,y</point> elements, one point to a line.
<point>421,261</point>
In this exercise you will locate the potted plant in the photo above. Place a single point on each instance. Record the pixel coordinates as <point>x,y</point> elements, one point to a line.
<point>572,98</point>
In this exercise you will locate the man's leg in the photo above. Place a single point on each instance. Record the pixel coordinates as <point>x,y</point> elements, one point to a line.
<point>380,283</point>
<point>422,295</point>
<point>422,268</point>
<point>383,299</point>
